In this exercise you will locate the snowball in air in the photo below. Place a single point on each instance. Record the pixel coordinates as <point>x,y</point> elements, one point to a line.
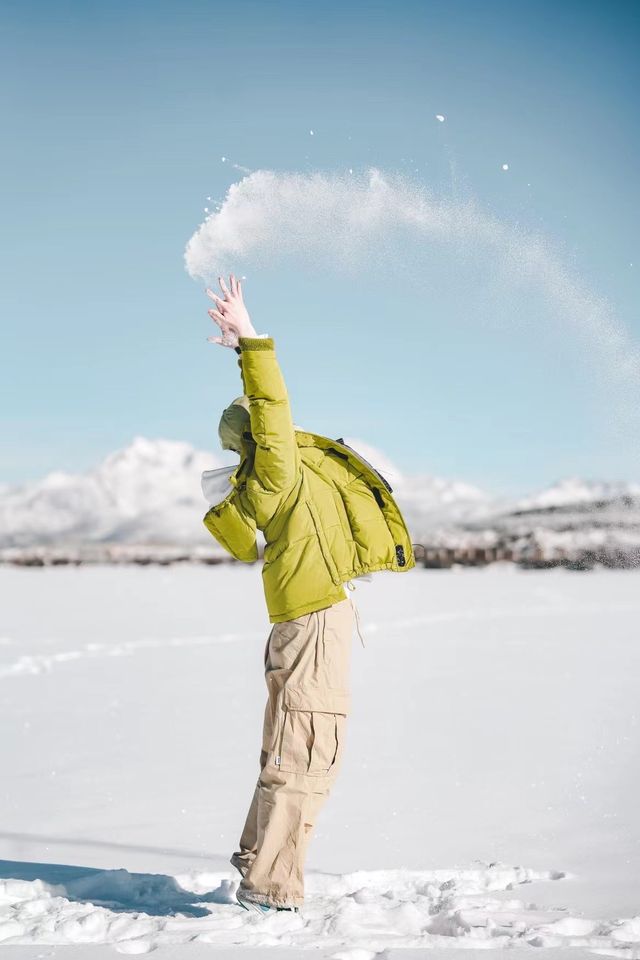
<point>505,166</point>
<point>440,117</point>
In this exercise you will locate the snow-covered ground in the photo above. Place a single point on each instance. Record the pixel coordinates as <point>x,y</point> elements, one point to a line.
<point>488,798</point>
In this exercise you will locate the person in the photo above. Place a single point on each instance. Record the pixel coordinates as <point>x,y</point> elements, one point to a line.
<point>328,517</point>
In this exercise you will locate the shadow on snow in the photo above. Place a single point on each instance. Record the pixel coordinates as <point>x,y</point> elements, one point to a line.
<point>118,890</point>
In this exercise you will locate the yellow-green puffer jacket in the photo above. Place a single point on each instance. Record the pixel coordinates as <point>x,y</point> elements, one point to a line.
<point>325,512</point>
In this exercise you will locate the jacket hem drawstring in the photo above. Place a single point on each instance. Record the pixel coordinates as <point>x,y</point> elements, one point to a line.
<point>352,587</point>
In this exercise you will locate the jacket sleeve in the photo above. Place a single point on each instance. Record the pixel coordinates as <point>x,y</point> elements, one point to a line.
<point>277,458</point>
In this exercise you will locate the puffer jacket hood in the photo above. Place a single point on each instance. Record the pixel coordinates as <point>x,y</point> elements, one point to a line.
<point>235,422</point>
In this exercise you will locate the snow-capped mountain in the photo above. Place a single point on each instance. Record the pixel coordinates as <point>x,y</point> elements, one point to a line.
<point>148,492</point>
<point>577,493</point>
<point>148,495</point>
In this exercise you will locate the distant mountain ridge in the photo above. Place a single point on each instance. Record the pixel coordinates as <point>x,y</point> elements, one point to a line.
<point>148,495</point>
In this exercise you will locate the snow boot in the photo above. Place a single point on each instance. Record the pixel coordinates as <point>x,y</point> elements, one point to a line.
<point>245,900</point>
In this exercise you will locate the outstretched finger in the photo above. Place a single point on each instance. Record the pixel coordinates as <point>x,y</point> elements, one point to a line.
<point>234,285</point>
<point>223,286</point>
<point>215,340</point>
<point>217,316</point>
<point>214,296</point>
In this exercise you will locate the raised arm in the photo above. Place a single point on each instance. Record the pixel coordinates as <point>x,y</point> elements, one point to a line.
<point>277,459</point>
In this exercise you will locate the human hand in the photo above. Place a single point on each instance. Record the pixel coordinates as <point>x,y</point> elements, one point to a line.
<point>231,314</point>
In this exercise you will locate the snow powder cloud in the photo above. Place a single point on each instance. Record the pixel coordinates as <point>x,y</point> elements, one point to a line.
<point>354,219</point>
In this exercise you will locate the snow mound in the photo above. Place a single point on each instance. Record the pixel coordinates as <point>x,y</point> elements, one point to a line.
<point>358,912</point>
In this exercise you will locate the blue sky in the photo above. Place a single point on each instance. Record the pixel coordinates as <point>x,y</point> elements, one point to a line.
<point>115,119</point>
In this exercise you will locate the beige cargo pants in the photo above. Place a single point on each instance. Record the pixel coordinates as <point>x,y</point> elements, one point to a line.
<point>307,668</point>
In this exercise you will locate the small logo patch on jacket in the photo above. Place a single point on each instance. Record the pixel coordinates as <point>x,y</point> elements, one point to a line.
<point>400,555</point>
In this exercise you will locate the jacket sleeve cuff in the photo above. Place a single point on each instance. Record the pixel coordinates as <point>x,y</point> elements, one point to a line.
<point>256,343</point>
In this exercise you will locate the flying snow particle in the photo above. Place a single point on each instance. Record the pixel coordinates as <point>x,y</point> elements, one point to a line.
<point>505,166</point>
<point>350,169</point>
<point>224,159</point>
<point>311,132</point>
<point>440,117</point>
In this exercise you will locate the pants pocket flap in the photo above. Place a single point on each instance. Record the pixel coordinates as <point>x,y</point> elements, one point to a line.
<point>324,700</point>
<point>311,742</point>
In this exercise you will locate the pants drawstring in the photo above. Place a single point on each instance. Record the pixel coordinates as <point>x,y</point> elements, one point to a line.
<point>352,587</point>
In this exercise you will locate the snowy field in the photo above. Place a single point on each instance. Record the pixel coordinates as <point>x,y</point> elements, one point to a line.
<point>488,796</point>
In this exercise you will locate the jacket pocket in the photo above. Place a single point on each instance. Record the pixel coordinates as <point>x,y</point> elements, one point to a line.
<point>310,742</point>
<point>324,543</point>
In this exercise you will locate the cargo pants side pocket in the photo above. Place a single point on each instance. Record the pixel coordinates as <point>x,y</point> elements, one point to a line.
<point>310,742</point>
